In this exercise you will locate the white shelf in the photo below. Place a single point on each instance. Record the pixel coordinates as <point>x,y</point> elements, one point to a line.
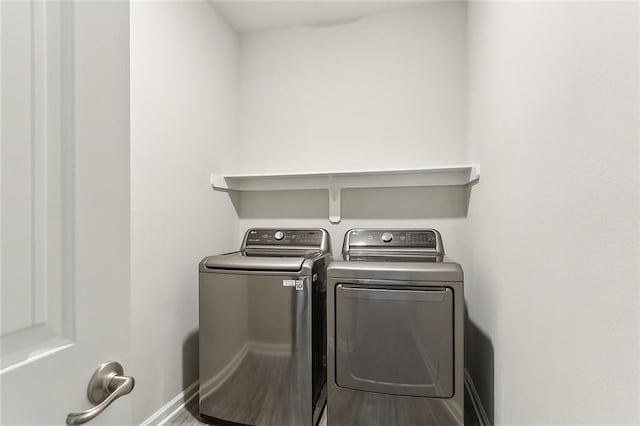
<point>335,182</point>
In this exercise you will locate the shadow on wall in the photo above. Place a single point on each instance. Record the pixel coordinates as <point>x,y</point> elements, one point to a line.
<point>479,362</point>
<point>190,367</point>
<point>370,203</point>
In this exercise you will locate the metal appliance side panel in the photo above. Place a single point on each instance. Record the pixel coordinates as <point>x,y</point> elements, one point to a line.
<point>255,349</point>
<point>395,340</point>
<point>319,338</point>
<point>349,407</point>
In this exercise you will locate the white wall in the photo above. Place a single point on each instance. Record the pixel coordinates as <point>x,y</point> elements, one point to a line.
<point>553,119</point>
<point>442,208</point>
<point>183,91</point>
<point>553,226</point>
<point>386,91</point>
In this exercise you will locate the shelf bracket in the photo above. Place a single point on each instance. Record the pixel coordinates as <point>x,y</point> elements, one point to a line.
<point>218,183</point>
<point>335,195</point>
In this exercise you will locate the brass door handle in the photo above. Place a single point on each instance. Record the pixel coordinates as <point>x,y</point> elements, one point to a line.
<point>106,385</point>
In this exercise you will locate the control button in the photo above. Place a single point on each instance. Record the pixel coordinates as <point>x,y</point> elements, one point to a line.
<point>278,235</point>
<point>386,237</point>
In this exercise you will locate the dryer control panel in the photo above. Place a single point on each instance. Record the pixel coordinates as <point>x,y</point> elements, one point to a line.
<point>389,242</point>
<point>392,238</point>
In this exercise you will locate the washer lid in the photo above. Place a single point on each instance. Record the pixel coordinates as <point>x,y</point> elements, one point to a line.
<point>255,262</point>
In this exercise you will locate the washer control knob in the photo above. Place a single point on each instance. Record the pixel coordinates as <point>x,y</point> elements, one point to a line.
<point>278,235</point>
<point>386,237</point>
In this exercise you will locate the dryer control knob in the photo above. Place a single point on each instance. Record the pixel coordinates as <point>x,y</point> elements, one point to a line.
<point>278,235</point>
<point>386,237</point>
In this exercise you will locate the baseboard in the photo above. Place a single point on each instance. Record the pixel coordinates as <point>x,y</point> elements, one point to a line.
<point>168,410</point>
<point>476,402</point>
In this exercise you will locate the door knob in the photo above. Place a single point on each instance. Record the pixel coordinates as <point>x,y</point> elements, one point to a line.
<point>106,385</point>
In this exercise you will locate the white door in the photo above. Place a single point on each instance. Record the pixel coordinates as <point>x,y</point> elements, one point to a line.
<point>65,253</point>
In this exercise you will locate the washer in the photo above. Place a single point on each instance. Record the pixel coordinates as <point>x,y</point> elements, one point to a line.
<point>395,331</point>
<point>263,329</point>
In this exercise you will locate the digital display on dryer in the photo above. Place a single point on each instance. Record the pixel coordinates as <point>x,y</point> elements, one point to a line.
<point>393,238</point>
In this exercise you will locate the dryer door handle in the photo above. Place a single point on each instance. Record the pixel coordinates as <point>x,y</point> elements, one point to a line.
<point>436,295</point>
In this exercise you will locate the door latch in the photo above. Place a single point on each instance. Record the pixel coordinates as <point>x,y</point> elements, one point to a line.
<point>106,385</point>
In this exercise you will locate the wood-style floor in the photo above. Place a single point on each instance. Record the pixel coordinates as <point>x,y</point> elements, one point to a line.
<point>189,416</point>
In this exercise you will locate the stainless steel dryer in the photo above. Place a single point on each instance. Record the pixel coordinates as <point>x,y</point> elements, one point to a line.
<point>263,329</point>
<point>395,331</point>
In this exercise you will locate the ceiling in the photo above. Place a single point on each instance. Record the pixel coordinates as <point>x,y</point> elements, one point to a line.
<point>250,16</point>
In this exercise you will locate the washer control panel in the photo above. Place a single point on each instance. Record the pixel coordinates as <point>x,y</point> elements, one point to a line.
<point>426,239</point>
<point>284,237</point>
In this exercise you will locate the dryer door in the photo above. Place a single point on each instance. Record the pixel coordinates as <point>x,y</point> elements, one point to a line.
<point>395,340</point>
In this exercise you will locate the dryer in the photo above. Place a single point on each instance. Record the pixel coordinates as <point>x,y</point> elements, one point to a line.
<point>263,329</point>
<point>395,331</point>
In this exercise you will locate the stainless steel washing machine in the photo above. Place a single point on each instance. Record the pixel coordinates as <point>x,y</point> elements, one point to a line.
<point>263,329</point>
<point>395,331</point>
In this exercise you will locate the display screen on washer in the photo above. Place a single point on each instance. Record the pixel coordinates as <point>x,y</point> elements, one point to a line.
<point>395,340</point>
<point>286,237</point>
